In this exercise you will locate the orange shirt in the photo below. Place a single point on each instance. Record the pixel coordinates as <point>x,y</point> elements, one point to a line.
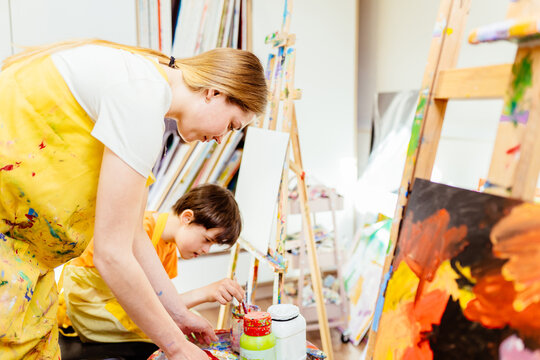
<point>166,251</point>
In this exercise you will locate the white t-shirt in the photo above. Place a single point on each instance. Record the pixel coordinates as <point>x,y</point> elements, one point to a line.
<point>126,96</point>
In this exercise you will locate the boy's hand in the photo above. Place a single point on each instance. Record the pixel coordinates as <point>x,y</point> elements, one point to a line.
<point>223,291</point>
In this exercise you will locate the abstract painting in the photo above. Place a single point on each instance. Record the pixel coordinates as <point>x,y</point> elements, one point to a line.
<point>465,279</point>
<point>362,277</point>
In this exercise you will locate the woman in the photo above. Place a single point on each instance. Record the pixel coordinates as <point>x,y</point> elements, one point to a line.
<point>81,126</point>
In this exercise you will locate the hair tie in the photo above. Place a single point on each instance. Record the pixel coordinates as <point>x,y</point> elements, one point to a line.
<point>171,63</point>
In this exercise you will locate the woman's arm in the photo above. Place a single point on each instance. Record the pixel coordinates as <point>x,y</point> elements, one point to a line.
<point>120,196</point>
<point>165,289</point>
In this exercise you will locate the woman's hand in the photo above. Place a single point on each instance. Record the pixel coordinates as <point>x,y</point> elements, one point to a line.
<point>186,351</point>
<point>223,291</point>
<point>190,323</point>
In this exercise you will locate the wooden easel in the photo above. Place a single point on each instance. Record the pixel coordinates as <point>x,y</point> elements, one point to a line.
<point>280,80</point>
<point>516,156</point>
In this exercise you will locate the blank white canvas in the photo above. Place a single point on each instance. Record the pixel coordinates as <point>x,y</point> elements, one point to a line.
<point>258,183</point>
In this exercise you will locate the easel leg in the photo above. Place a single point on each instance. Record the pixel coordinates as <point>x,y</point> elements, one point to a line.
<point>316,279</point>
<point>281,230</point>
<point>252,281</point>
<point>226,309</point>
<point>301,266</point>
<point>279,284</point>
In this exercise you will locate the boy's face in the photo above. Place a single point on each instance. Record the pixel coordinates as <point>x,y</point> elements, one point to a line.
<point>192,239</point>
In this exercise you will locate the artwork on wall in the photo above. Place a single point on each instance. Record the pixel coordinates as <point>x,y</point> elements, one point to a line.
<point>465,280</point>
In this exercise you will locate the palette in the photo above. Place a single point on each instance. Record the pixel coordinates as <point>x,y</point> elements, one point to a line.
<point>221,349</point>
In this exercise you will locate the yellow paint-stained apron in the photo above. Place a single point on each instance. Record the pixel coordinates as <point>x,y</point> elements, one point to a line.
<point>49,169</point>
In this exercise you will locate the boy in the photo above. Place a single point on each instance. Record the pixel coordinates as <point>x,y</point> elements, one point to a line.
<point>206,215</point>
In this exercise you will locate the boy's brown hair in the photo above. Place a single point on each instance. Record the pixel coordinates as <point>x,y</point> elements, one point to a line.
<point>213,207</point>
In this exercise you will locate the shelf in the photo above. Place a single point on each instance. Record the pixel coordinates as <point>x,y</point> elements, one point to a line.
<point>333,312</point>
<point>293,274</point>
<point>316,205</point>
<point>325,257</point>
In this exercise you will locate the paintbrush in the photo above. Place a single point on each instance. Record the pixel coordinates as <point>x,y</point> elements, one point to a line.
<point>243,303</point>
<point>237,305</point>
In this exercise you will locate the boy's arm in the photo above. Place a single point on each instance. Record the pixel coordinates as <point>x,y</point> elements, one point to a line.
<point>194,297</point>
<point>221,291</point>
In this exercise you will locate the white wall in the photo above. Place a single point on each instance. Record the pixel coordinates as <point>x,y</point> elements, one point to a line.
<point>40,22</point>
<point>5,29</point>
<point>403,32</point>
<point>325,71</point>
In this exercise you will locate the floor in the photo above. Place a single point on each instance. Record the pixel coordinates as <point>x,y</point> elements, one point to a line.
<point>341,351</point>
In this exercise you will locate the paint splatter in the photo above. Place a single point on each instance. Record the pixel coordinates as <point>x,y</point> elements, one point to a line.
<point>65,252</point>
<point>417,124</point>
<point>32,215</point>
<point>20,225</point>
<point>51,231</point>
<point>521,82</point>
<point>440,26</point>
<point>11,166</point>
<point>380,300</point>
<point>513,150</point>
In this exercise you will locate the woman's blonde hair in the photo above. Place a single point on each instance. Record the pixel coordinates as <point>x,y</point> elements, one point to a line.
<point>238,74</point>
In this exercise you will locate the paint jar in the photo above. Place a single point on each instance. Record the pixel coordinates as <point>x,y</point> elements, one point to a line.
<point>237,324</point>
<point>257,341</point>
<point>289,328</point>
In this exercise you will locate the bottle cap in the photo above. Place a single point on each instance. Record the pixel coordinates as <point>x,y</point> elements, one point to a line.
<point>283,312</point>
<point>257,323</point>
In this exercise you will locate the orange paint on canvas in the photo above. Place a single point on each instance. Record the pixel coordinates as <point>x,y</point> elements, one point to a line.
<point>512,296</point>
<point>408,320</point>
<point>426,244</point>
<point>517,238</point>
<point>493,307</point>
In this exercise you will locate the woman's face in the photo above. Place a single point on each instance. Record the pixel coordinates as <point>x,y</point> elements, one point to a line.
<point>211,118</point>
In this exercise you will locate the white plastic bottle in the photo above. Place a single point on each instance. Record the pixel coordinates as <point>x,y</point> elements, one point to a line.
<point>289,328</point>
